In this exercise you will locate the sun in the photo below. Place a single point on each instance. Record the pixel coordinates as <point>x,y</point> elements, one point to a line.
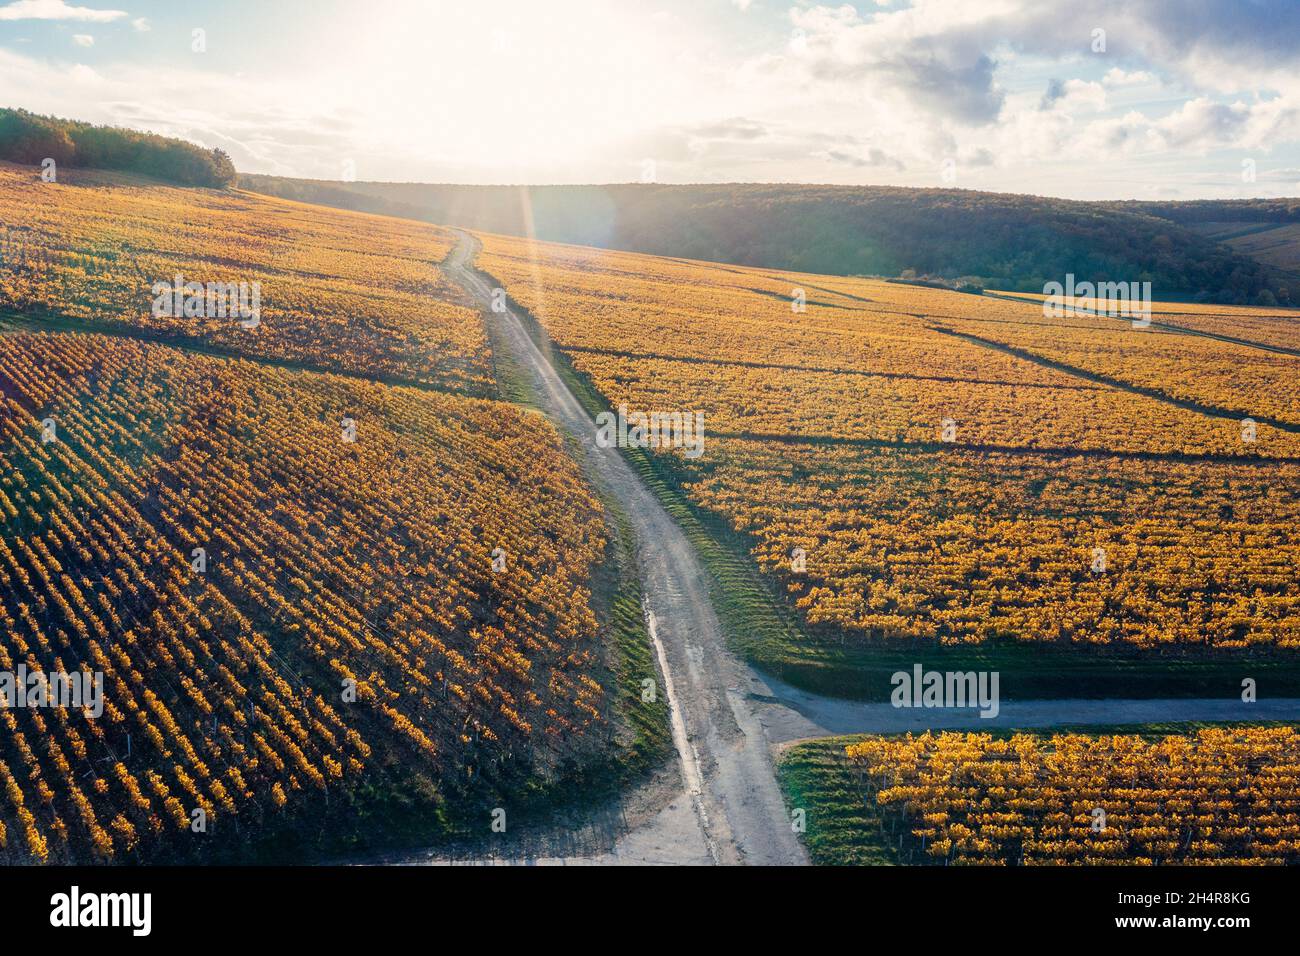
<point>521,86</point>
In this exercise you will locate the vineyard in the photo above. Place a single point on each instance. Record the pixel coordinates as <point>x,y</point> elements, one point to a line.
<point>281,615</point>
<point>1267,327</point>
<point>341,596</point>
<point>336,596</point>
<point>1210,796</point>
<point>914,466</point>
<point>343,292</point>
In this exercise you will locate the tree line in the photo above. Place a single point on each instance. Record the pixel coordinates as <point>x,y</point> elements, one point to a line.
<point>980,239</point>
<point>30,139</point>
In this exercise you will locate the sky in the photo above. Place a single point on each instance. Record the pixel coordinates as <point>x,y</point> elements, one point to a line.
<point>1086,99</point>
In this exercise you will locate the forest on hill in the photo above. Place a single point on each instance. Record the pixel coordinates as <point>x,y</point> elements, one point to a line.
<point>29,139</point>
<point>995,240</point>
<point>1189,211</point>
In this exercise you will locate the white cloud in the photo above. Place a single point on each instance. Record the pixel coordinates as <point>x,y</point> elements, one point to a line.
<point>56,10</point>
<point>839,93</point>
<point>83,76</point>
<point>1116,77</point>
<point>734,128</point>
<point>873,158</point>
<point>904,54</point>
<point>1202,123</point>
<point>1074,96</point>
<point>1128,135</point>
<point>944,78</point>
<point>281,130</point>
<point>1199,126</point>
<point>141,25</point>
<point>83,39</point>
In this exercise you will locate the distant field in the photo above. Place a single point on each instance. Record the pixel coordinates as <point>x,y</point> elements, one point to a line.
<point>1228,379</point>
<point>1166,795</point>
<point>825,436</point>
<point>1271,327</point>
<point>1277,243</point>
<point>339,291</point>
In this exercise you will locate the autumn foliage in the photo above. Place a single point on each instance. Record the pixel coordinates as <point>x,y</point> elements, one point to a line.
<point>328,566</point>
<point>825,400</point>
<point>342,292</point>
<point>1218,796</point>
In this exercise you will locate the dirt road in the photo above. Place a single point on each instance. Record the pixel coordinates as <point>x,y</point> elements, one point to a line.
<point>726,760</point>
<point>728,719</point>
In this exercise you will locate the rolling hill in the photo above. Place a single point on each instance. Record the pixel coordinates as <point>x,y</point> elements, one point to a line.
<point>996,240</point>
<point>1267,230</point>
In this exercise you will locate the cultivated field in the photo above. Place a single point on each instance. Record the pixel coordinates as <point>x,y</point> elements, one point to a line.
<point>345,597</point>
<point>1096,488</point>
<point>1277,243</point>
<point>326,567</point>
<point>330,611</point>
<point>340,291</point>
<point>1145,796</point>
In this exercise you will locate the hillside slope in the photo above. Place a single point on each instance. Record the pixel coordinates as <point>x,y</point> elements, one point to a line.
<point>328,611</point>
<point>1267,230</point>
<point>1004,241</point>
<point>337,291</point>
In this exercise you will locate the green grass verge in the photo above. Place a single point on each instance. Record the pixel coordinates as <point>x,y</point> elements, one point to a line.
<point>512,381</point>
<point>844,829</point>
<point>643,735</point>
